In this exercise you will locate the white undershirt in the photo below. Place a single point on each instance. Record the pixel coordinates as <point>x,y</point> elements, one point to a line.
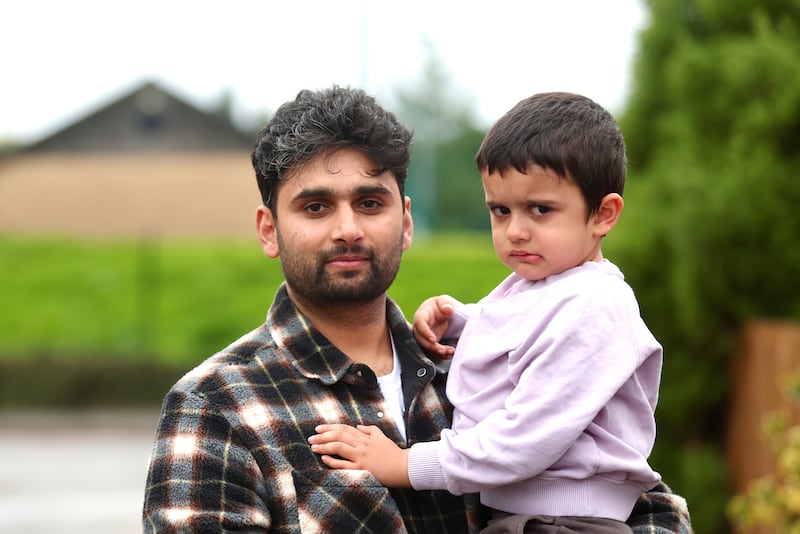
<point>392,388</point>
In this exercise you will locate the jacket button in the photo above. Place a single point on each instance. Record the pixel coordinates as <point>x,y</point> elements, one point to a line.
<point>422,372</point>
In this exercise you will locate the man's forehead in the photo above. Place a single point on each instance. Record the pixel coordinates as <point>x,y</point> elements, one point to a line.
<point>338,160</point>
<point>343,172</point>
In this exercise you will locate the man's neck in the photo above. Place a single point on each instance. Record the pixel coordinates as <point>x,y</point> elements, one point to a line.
<point>358,329</point>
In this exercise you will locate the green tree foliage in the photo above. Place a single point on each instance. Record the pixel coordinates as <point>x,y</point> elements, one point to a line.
<point>444,183</point>
<point>710,236</point>
<point>461,204</point>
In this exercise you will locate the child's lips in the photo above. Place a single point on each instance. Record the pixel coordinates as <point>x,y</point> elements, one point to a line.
<point>525,256</point>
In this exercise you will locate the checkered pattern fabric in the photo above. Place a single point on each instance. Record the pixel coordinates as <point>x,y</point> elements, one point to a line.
<point>231,451</point>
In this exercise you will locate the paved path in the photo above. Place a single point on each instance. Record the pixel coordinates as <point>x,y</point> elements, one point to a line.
<point>73,472</point>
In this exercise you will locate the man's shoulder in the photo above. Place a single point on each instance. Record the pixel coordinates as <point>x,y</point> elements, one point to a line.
<point>242,361</point>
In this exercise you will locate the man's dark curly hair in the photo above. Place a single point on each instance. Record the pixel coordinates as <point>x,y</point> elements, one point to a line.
<point>321,122</point>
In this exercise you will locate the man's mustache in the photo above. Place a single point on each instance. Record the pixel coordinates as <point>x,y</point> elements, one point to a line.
<point>355,250</point>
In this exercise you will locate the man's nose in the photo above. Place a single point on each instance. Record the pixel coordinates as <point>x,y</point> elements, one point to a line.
<point>348,227</point>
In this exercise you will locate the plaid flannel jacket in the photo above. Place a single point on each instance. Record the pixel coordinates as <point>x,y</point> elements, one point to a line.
<point>660,511</point>
<point>231,451</point>
<point>231,454</point>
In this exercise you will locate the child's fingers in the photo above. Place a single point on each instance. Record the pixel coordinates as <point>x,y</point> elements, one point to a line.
<point>335,428</point>
<point>370,431</point>
<point>425,332</point>
<point>431,343</point>
<point>444,350</point>
<point>337,449</point>
<point>337,463</point>
<point>330,433</point>
<point>445,307</point>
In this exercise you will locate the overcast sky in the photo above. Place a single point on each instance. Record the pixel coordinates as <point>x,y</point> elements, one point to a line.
<point>62,60</point>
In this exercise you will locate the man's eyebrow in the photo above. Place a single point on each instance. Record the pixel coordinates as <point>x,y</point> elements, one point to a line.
<point>315,192</point>
<point>327,192</point>
<point>376,189</point>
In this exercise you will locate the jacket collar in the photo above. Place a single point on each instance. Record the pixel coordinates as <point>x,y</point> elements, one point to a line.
<point>315,357</point>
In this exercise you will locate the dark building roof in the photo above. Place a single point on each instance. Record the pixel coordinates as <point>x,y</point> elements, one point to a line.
<point>147,119</point>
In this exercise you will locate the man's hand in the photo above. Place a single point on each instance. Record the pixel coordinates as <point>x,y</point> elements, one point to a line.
<point>362,447</point>
<point>430,324</point>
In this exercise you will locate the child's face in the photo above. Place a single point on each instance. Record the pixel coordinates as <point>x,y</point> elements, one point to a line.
<point>539,224</point>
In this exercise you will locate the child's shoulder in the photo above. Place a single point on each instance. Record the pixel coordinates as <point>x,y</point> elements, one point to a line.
<point>596,286</point>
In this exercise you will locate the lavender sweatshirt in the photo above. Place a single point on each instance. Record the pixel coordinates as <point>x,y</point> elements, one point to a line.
<point>555,384</point>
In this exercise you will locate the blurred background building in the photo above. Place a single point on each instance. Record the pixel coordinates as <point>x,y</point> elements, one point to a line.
<point>146,164</point>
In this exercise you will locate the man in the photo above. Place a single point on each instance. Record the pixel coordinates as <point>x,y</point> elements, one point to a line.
<point>231,453</point>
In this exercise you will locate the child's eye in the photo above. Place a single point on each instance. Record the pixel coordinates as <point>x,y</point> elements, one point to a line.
<point>540,210</point>
<point>499,211</point>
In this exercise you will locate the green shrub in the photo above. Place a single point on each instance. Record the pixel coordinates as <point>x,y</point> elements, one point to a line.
<point>81,381</point>
<point>181,301</point>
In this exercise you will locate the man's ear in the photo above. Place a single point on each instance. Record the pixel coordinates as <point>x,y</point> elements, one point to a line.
<point>608,214</point>
<point>267,232</point>
<point>408,223</point>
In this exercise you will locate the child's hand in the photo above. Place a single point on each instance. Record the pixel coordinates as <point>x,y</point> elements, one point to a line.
<point>430,324</point>
<point>362,447</point>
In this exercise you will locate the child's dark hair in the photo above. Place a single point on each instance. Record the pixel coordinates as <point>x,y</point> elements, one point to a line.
<point>570,134</point>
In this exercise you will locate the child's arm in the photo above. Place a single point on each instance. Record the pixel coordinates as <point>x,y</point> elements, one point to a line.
<point>431,322</point>
<point>362,447</point>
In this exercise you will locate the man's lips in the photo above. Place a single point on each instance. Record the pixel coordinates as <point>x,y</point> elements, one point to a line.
<point>348,262</point>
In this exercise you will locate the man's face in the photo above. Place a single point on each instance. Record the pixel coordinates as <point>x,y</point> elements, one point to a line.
<point>339,232</point>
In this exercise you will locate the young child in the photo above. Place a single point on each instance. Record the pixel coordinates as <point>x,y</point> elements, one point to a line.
<point>555,375</point>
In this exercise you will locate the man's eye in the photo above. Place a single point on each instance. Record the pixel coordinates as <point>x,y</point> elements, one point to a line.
<point>315,208</point>
<point>370,204</point>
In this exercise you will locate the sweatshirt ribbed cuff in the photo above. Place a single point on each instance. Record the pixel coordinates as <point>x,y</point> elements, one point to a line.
<point>424,469</point>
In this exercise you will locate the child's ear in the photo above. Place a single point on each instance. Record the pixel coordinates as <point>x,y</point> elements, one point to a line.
<point>608,214</point>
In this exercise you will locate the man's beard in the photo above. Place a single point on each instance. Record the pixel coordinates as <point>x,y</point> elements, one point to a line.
<point>310,280</point>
